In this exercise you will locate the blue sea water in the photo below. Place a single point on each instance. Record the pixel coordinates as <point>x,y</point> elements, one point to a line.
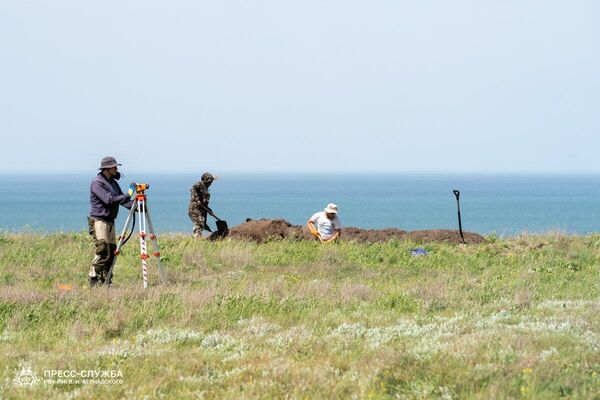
<point>504,204</point>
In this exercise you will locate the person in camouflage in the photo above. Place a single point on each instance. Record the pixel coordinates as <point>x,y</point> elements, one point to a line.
<point>199,208</point>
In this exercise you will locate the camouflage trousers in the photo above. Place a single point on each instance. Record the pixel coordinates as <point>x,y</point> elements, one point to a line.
<point>198,218</point>
<point>106,243</point>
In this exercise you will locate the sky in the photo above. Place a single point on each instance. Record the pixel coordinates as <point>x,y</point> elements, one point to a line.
<point>459,86</point>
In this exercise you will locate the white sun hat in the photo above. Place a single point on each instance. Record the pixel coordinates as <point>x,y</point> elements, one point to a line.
<point>331,208</point>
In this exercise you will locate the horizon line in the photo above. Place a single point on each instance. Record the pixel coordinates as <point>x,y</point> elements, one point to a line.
<point>299,172</point>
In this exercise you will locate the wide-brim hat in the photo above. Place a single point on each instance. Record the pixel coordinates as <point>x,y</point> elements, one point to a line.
<point>331,208</point>
<point>108,162</point>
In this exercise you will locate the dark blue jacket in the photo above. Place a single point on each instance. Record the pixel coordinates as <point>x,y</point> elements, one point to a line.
<point>105,197</point>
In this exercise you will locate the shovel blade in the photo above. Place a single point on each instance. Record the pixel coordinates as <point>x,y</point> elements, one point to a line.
<point>222,231</point>
<point>222,228</point>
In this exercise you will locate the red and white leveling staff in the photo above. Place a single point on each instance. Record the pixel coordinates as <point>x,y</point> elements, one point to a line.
<point>145,227</point>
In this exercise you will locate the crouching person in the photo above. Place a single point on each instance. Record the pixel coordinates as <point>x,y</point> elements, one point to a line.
<point>105,197</point>
<point>328,226</point>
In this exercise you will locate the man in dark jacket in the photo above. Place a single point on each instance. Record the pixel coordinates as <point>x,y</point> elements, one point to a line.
<point>105,197</point>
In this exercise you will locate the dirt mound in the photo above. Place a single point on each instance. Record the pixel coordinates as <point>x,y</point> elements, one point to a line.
<point>445,236</point>
<point>373,235</point>
<point>266,229</point>
<point>360,235</point>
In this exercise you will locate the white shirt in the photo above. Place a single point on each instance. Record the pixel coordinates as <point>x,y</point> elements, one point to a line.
<point>325,226</point>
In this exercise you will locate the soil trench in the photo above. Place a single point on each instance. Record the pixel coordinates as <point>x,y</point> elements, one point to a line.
<point>268,229</point>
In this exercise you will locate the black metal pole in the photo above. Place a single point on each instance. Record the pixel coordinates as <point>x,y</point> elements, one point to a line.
<point>457,194</point>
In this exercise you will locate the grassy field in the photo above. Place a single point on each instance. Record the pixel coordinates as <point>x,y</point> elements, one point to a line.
<point>515,318</point>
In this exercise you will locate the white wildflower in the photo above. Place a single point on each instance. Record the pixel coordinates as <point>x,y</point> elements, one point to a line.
<point>258,326</point>
<point>492,320</point>
<point>548,353</point>
<point>6,336</point>
<point>161,336</point>
<point>295,335</point>
<point>219,341</point>
<point>226,344</point>
<point>213,377</point>
<point>567,304</point>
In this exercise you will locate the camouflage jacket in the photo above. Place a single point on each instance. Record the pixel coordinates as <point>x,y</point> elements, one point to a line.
<point>199,195</point>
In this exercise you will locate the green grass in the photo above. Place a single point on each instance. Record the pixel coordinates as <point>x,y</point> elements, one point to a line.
<point>515,318</point>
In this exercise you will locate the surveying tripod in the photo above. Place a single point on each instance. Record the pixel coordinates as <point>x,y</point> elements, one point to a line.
<point>145,226</point>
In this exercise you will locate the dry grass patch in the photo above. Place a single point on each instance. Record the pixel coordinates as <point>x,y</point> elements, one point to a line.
<point>433,294</point>
<point>235,256</point>
<point>351,292</point>
<point>317,288</point>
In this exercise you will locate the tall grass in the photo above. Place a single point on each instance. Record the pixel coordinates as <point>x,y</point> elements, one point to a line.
<point>515,318</point>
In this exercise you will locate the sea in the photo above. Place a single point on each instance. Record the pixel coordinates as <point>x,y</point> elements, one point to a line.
<point>504,205</point>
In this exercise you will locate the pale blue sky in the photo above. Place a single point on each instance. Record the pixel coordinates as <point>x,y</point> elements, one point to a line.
<point>449,86</point>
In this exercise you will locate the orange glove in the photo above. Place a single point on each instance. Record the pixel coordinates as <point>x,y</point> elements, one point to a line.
<point>313,230</point>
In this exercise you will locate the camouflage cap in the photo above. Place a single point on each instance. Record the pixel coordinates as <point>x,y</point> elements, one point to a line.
<point>207,176</point>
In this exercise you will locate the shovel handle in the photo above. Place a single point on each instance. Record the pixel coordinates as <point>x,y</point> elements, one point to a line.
<point>456,193</point>
<point>210,212</point>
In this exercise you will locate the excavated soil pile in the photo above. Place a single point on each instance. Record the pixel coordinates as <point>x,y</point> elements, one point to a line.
<point>266,229</point>
<point>360,235</point>
<point>373,235</point>
<point>444,235</point>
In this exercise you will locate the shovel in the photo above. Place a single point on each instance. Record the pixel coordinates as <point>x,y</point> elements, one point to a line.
<point>457,194</point>
<point>222,228</point>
